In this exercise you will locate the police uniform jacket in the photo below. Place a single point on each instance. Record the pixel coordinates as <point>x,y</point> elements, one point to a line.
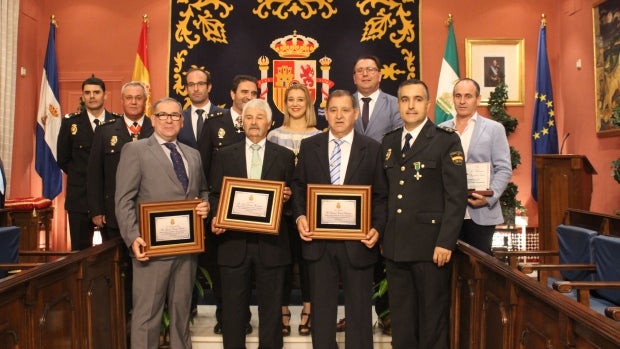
<point>218,131</point>
<point>428,193</point>
<point>72,151</point>
<point>103,161</point>
<point>186,135</point>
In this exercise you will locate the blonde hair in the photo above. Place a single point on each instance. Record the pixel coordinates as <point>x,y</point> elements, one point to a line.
<point>310,113</point>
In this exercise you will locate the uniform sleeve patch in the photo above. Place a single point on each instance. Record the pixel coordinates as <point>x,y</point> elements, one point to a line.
<point>457,157</point>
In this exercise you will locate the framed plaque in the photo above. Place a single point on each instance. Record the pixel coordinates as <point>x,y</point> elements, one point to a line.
<point>340,212</point>
<point>171,227</point>
<point>251,205</point>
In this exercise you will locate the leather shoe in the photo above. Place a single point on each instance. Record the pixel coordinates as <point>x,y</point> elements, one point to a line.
<point>385,324</point>
<point>217,329</point>
<point>248,329</point>
<point>341,325</point>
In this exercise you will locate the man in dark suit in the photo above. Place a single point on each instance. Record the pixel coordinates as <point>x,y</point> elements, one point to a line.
<point>219,130</point>
<point>106,152</point>
<point>73,149</point>
<point>197,86</point>
<point>425,167</point>
<point>355,160</point>
<point>159,168</point>
<point>484,141</point>
<point>242,254</point>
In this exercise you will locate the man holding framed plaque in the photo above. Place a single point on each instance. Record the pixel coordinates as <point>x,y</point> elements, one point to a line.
<point>489,167</point>
<point>154,170</point>
<point>425,167</point>
<point>243,252</point>
<point>344,158</point>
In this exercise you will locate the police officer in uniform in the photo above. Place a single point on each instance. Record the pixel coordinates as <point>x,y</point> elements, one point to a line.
<point>221,129</point>
<point>73,149</point>
<point>425,167</point>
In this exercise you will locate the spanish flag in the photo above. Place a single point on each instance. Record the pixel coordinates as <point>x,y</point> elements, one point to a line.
<point>141,66</point>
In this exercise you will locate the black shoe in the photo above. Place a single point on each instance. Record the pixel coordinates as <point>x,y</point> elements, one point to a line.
<point>217,329</point>
<point>248,329</point>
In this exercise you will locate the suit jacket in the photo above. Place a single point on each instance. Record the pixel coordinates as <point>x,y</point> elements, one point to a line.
<point>489,144</point>
<point>72,151</point>
<point>385,117</point>
<point>145,174</point>
<point>186,135</point>
<point>428,193</point>
<point>364,168</point>
<point>105,154</point>
<point>218,131</point>
<point>278,165</point>
<point>3,194</point>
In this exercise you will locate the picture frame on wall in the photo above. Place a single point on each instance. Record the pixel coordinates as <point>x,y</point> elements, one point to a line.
<point>491,61</point>
<point>606,29</point>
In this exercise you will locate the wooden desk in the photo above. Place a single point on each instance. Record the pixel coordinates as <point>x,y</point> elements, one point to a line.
<point>31,225</point>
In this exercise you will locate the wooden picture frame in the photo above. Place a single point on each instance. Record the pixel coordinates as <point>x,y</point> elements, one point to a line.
<point>171,228</point>
<point>340,212</point>
<point>606,69</point>
<point>251,205</point>
<point>489,61</point>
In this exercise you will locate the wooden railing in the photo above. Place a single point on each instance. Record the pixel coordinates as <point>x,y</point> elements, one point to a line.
<point>74,302</point>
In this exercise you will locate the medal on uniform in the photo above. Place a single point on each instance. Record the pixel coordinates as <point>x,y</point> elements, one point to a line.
<point>113,140</point>
<point>417,166</point>
<point>388,154</point>
<point>73,129</point>
<point>221,133</point>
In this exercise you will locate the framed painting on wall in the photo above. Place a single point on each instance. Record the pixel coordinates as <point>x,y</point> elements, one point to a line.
<point>606,22</point>
<point>491,61</point>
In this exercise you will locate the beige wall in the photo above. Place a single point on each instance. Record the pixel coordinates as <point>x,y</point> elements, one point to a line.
<point>101,38</point>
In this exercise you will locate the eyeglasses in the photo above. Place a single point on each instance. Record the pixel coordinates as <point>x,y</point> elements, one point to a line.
<point>367,70</point>
<point>194,84</point>
<point>165,116</point>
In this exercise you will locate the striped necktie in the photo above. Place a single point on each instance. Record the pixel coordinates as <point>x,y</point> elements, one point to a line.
<point>334,162</point>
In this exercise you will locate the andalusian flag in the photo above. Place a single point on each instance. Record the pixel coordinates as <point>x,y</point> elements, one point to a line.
<point>141,66</point>
<point>48,121</point>
<point>449,74</point>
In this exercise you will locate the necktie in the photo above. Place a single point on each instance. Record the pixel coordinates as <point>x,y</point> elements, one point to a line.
<point>407,146</point>
<point>177,164</point>
<point>334,162</point>
<point>96,122</point>
<point>365,108</point>
<point>199,122</point>
<point>257,164</point>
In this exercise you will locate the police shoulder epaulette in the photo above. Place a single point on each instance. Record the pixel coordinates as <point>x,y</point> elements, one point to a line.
<point>446,129</point>
<point>217,114</point>
<point>72,115</point>
<point>390,132</point>
<point>115,115</point>
<point>108,122</point>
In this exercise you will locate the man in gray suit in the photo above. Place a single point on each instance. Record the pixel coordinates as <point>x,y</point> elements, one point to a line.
<point>381,115</point>
<point>153,170</point>
<point>484,142</point>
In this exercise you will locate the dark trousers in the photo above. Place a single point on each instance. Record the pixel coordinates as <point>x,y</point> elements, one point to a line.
<point>325,275</point>
<point>81,230</point>
<point>420,304</point>
<point>479,236</point>
<point>382,303</point>
<point>237,286</point>
<point>208,260</point>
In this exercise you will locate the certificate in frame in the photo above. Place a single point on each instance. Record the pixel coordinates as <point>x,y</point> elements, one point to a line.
<point>171,227</point>
<point>339,212</point>
<point>250,205</point>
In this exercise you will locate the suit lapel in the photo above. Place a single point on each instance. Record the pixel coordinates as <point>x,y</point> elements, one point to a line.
<point>321,154</point>
<point>355,157</point>
<point>164,161</point>
<point>375,117</point>
<point>270,157</point>
<point>422,141</point>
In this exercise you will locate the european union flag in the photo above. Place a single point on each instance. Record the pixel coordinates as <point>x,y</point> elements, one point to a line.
<point>544,131</point>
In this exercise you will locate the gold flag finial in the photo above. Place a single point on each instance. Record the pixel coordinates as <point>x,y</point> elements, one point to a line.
<point>543,21</point>
<point>53,19</point>
<point>145,18</point>
<point>449,20</point>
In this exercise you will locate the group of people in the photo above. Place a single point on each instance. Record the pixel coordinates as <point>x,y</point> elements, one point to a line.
<point>420,204</point>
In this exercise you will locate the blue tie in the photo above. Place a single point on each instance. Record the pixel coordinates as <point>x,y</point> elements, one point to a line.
<point>407,146</point>
<point>334,162</point>
<point>177,163</point>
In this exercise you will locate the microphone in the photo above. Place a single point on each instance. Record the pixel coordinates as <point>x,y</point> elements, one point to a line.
<point>563,142</point>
